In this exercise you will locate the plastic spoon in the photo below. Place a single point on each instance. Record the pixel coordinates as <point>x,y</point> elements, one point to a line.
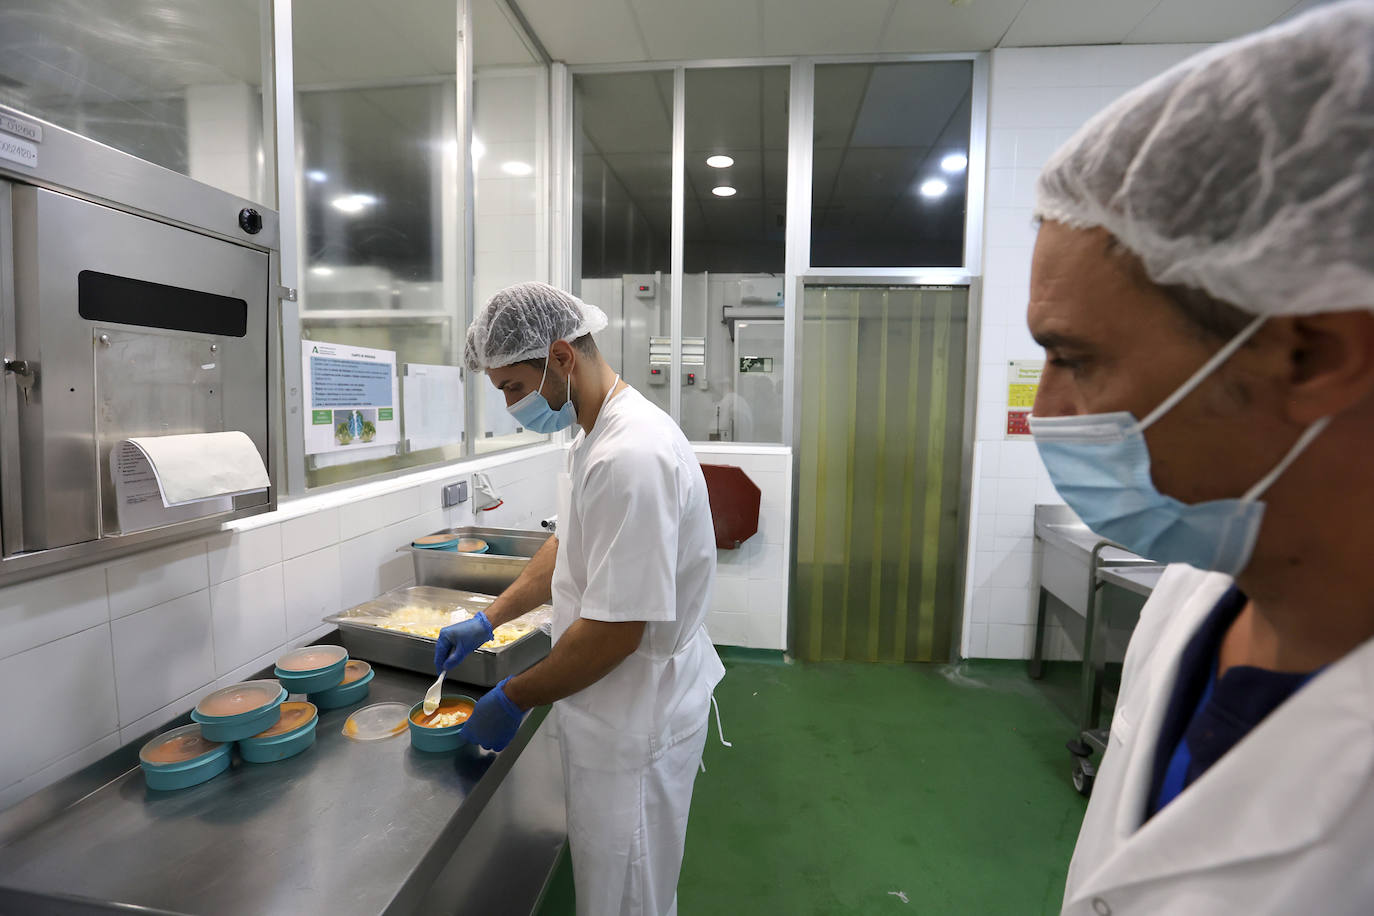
<point>432,695</point>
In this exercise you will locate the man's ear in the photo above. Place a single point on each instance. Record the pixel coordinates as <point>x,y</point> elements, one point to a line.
<point>563,356</point>
<point>1332,363</point>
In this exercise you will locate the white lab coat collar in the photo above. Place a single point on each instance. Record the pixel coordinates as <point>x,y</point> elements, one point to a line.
<point>1283,787</point>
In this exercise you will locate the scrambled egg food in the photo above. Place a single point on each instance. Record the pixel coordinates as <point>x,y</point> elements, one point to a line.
<point>448,719</point>
<point>428,622</point>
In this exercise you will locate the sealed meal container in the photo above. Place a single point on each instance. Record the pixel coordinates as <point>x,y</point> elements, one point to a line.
<point>182,758</point>
<point>311,669</point>
<point>239,711</point>
<point>425,737</point>
<point>358,675</point>
<point>400,629</point>
<point>293,732</point>
<point>437,542</point>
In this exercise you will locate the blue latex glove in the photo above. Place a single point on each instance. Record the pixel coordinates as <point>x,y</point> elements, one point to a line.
<point>457,642</point>
<point>494,720</point>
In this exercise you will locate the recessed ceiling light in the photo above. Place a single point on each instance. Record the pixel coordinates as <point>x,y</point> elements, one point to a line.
<point>316,175</point>
<point>322,271</point>
<point>719,162</point>
<point>954,162</point>
<point>353,203</point>
<point>933,187</point>
<point>723,191</point>
<point>517,168</point>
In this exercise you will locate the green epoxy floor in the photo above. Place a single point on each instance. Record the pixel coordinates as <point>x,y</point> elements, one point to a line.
<point>847,781</point>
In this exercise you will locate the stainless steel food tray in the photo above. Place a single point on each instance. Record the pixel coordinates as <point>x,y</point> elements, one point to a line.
<point>362,637</point>
<point>490,573</point>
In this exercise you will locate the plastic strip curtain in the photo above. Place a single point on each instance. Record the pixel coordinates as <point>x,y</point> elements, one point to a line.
<point>881,473</point>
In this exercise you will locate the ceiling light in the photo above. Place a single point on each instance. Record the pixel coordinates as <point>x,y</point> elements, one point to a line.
<point>719,162</point>
<point>954,162</point>
<point>479,149</point>
<point>723,191</point>
<point>933,187</point>
<point>316,175</point>
<point>517,168</point>
<point>353,203</point>
<point>322,271</point>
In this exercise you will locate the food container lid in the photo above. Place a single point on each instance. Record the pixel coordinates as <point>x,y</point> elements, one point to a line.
<point>237,699</point>
<point>472,545</point>
<point>177,746</point>
<point>380,720</point>
<point>355,670</point>
<point>293,716</point>
<point>311,658</point>
<point>435,541</point>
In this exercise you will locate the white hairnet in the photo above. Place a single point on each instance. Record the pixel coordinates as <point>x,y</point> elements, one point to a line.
<point>1246,172</point>
<point>522,321</point>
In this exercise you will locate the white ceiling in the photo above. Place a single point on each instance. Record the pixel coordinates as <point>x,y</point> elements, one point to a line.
<point>614,31</point>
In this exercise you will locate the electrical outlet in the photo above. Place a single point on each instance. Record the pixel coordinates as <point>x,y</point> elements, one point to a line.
<point>455,493</point>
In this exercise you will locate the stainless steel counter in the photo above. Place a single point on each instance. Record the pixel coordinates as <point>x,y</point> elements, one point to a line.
<point>1094,589</point>
<point>345,827</point>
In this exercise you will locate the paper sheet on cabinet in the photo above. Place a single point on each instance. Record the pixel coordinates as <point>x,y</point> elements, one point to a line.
<point>160,480</point>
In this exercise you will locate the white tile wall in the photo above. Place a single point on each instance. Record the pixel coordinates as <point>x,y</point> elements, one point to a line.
<point>1038,97</point>
<point>162,653</point>
<point>72,674</point>
<point>131,644</point>
<point>249,615</point>
<point>749,604</point>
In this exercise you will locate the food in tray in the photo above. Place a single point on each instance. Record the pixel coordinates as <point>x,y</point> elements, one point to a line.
<point>451,712</point>
<point>505,634</point>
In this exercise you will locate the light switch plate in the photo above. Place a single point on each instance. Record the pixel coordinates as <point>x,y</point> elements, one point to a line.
<point>455,493</point>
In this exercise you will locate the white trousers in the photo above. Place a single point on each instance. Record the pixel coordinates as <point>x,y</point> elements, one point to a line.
<point>627,831</point>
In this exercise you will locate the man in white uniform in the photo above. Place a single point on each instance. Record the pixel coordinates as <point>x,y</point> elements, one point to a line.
<point>1203,285</point>
<point>630,574</point>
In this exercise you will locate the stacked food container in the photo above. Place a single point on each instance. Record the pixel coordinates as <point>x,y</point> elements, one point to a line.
<point>256,717</point>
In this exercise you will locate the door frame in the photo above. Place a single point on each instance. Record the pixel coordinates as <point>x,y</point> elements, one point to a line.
<point>971,350</point>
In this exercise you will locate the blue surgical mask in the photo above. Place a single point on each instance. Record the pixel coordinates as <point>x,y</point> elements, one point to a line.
<point>1101,467</point>
<point>534,413</point>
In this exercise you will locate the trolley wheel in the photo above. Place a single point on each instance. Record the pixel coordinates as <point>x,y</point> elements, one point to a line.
<point>1083,774</point>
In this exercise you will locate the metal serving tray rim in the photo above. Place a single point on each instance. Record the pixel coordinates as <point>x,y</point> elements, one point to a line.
<point>342,619</point>
<point>352,624</point>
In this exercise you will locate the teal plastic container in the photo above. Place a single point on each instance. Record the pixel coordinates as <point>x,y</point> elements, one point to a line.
<point>257,717</point>
<point>269,748</point>
<point>436,739</point>
<point>445,542</point>
<point>354,691</point>
<point>316,677</point>
<point>182,758</point>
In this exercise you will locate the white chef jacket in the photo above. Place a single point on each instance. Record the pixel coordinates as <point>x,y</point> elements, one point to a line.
<point>636,542</point>
<point>1282,823</point>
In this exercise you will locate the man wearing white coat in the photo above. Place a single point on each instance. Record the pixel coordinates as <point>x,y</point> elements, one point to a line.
<point>630,574</point>
<point>1203,286</point>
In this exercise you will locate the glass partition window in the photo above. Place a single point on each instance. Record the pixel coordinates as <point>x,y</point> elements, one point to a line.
<point>734,253</point>
<point>623,145</point>
<point>379,195</point>
<point>510,174</point>
<point>180,85</point>
<point>890,164</point>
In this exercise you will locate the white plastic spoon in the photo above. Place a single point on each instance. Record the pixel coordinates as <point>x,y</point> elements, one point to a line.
<point>432,695</point>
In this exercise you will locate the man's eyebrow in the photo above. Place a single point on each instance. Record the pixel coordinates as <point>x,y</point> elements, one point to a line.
<point>1055,340</point>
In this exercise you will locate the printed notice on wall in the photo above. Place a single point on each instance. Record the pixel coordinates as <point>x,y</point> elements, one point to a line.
<point>1023,380</point>
<point>351,401</point>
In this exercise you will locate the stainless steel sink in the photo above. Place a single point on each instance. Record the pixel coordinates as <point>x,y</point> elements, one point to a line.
<point>490,573</point>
